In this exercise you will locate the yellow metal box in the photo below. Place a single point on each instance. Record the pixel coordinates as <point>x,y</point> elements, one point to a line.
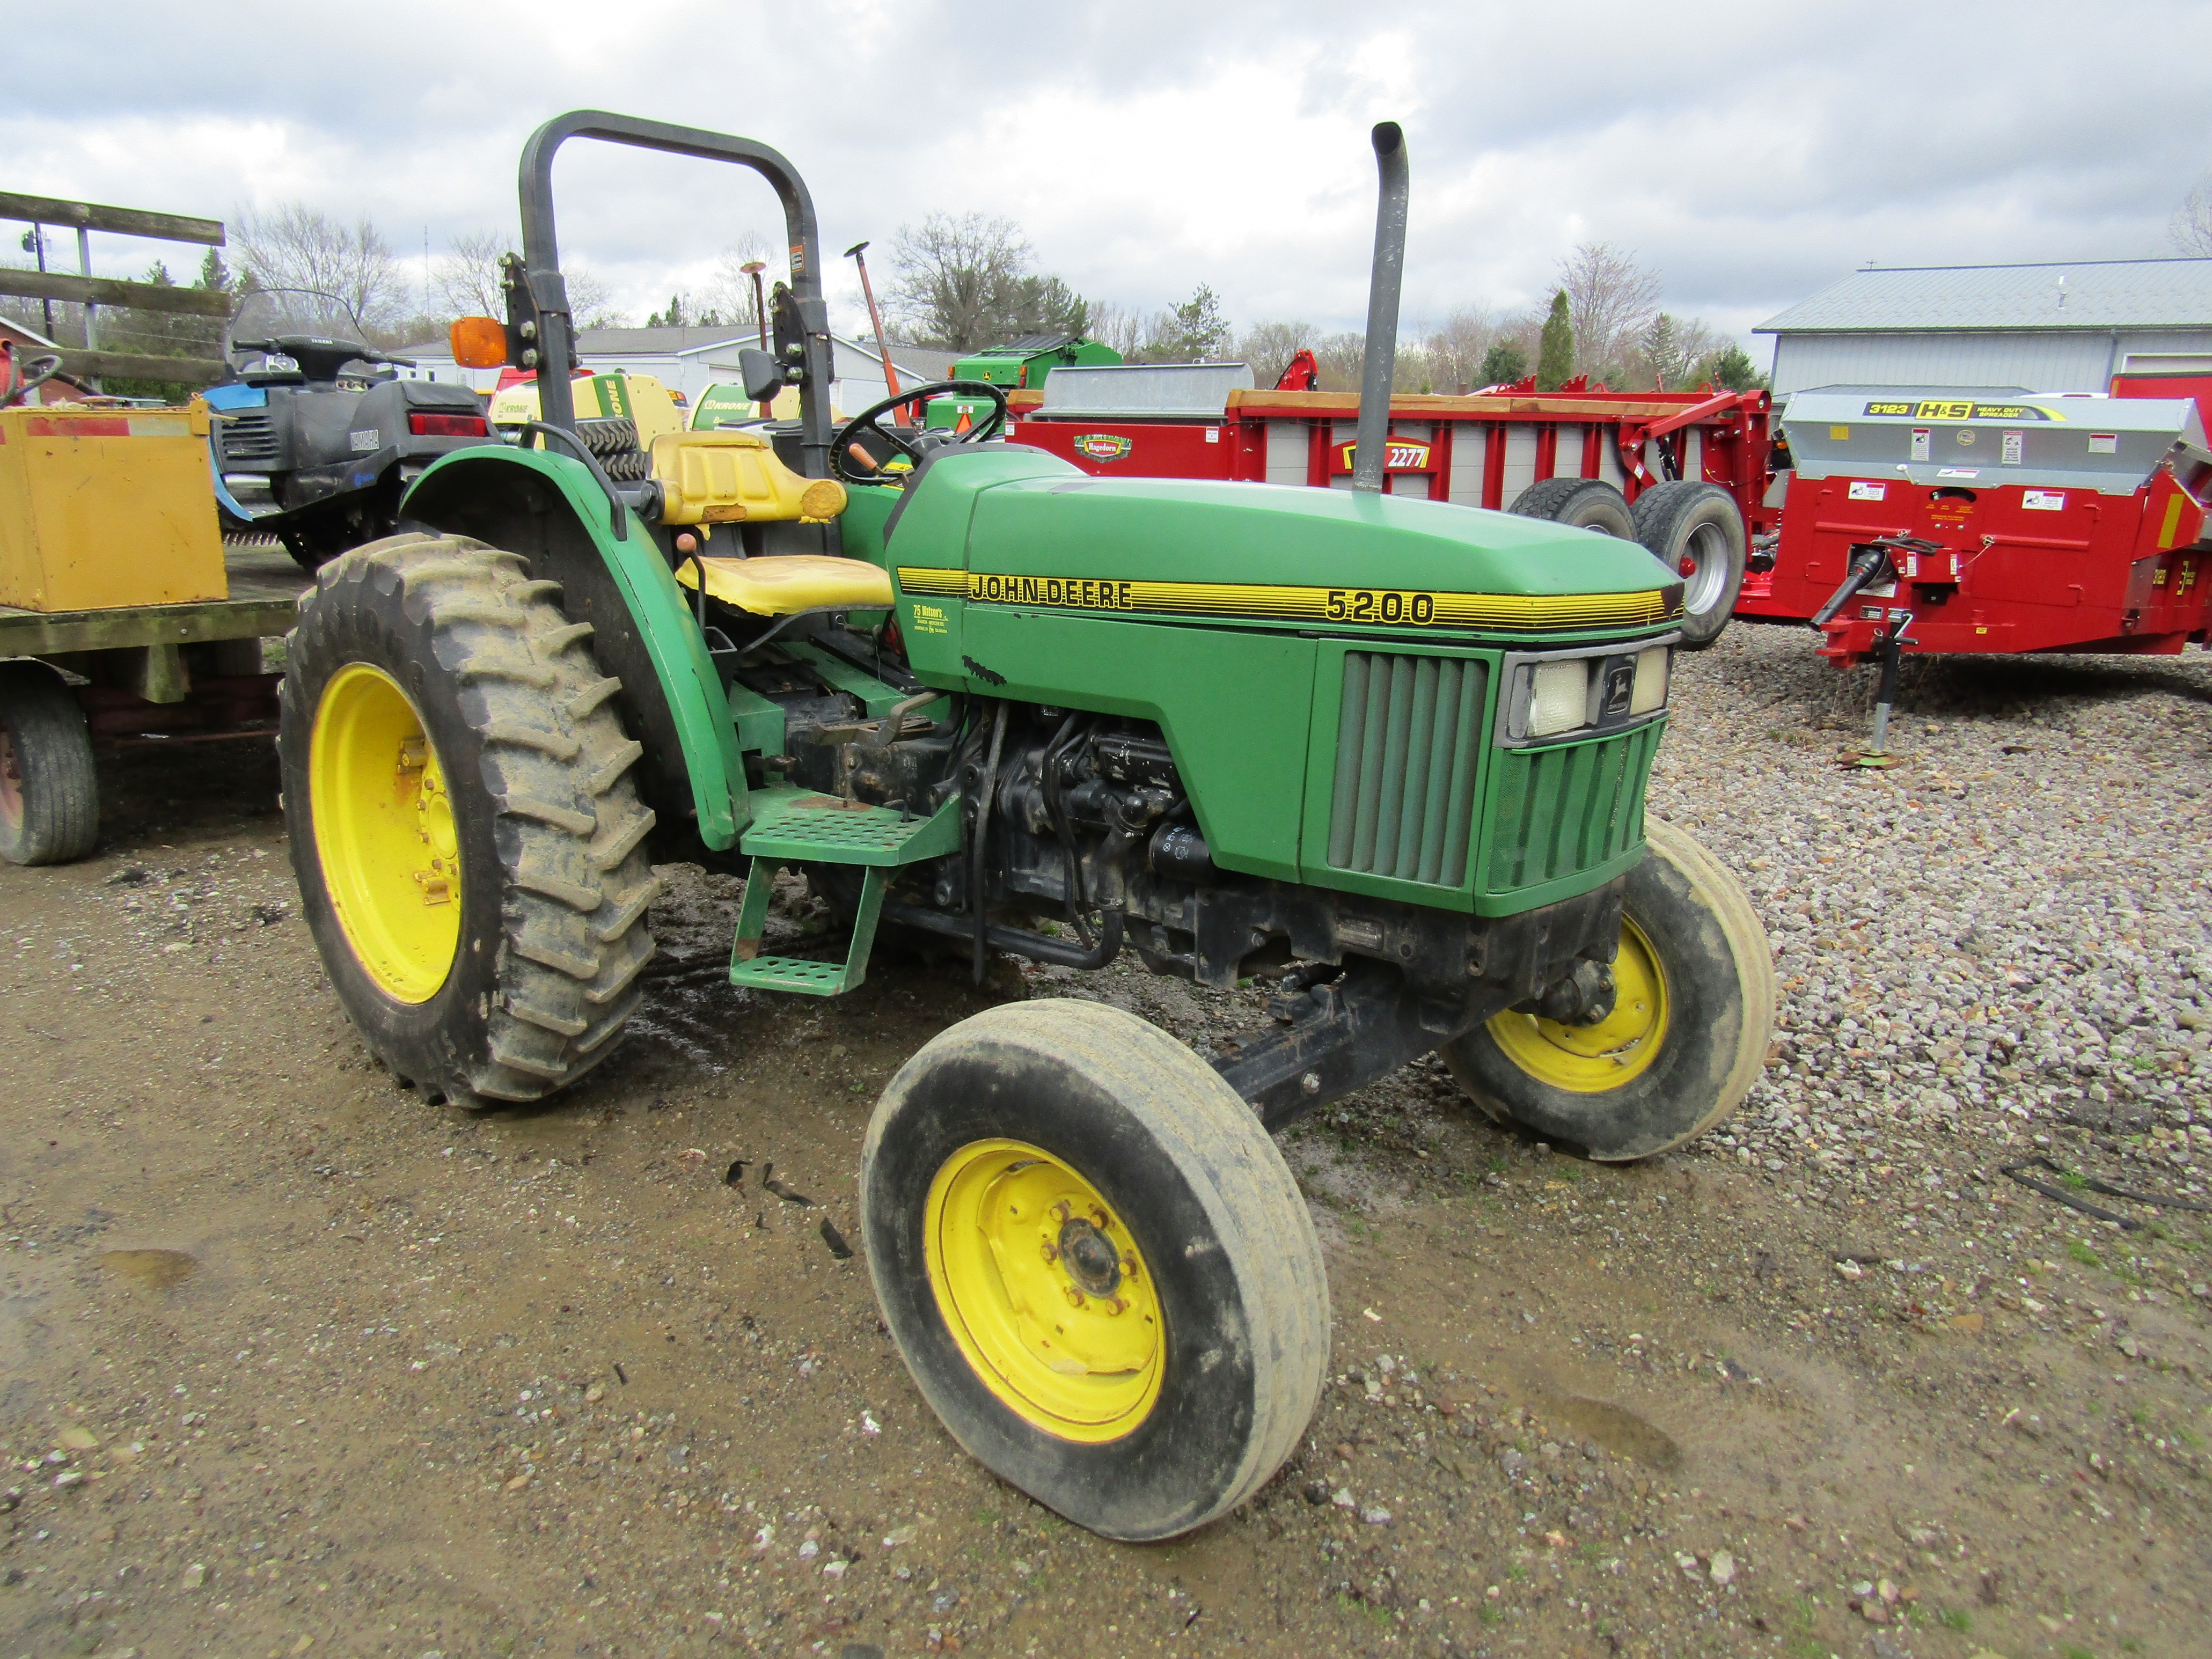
<point>103,508</point>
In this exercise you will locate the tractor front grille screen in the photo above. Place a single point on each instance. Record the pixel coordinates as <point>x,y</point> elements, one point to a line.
<point>1407,741</point>
<point>247,436</point>
<point>1568,807</point>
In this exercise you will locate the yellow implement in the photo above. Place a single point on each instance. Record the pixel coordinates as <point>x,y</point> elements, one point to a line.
<point>107,508</point>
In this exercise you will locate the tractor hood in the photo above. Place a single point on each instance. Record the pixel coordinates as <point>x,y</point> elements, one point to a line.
<point>1022,527</point>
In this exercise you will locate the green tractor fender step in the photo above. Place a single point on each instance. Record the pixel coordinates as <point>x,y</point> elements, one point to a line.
<point>797,826</point>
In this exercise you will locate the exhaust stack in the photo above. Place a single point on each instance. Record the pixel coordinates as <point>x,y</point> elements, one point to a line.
<point>1380,365</point>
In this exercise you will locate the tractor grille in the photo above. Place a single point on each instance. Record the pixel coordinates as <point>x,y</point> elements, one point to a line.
<point>1407,741</point>
<point>249,437</point>
<point>1569,807</point>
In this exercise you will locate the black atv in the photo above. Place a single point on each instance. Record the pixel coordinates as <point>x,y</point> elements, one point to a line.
<point>314,437</point>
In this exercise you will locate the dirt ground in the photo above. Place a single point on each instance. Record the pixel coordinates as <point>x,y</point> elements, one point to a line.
<point>291,1361</point>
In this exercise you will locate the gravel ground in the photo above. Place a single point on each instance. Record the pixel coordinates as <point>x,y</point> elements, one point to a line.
<point>292,1362</point>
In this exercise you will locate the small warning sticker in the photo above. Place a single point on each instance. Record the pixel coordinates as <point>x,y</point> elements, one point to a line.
<point>1868,492</point>
<point>2013,440</point>
<point>1919,443</point>
<point>2104,443</point>
<point>2043,500</point>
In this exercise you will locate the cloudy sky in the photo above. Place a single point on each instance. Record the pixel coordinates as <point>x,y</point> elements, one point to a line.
<point>1751,153</point>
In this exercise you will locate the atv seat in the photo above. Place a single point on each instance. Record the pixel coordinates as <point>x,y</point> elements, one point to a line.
<point>782,583</point>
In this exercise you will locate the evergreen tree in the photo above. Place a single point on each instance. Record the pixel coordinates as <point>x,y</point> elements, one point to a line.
<point>1729,367</point>
<point>1663,350</point>
<point>214,273</point>
<point>1555,354</point>
<point>1502,364</point>
<point>1192,332</point>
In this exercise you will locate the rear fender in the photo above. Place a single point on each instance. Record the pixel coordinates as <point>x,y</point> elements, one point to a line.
<point>550,509</point>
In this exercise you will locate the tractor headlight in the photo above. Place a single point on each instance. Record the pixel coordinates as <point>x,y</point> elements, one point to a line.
<point>1652,669</point>
<point>1583,694</point>
<point>1558,696</point>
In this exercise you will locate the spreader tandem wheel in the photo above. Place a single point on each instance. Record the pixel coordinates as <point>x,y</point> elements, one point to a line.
<point>1692,1015</point>
<point>468,846</point>
<point>1095,1265</point>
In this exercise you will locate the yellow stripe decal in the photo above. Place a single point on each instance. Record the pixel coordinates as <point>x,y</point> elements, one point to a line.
<point>1394,607</point>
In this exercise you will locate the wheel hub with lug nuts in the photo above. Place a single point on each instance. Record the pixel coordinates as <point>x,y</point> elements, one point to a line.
<point>1044,1290</point>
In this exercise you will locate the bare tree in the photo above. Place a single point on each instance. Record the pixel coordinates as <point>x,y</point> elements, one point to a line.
<point>2192,229</point>
<point>1611,298</point>
<point>729,298</point>
<point>466,283</point>
<point>294,246</point>
<point>1119,327</point>
<point>1455,351</point>
<point>953,277</point>
<point>1269,347</point>
<point>965,282</point>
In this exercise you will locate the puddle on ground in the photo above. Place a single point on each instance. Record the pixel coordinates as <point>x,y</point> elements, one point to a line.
<point>150,1270</point>
<point>1620,1431</point>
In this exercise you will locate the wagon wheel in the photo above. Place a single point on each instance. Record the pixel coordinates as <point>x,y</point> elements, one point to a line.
<point>49,790</point>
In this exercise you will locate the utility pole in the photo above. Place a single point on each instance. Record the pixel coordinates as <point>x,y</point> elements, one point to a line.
<point>91,311</point>
<point>35,241</point>
<point>875,320</point>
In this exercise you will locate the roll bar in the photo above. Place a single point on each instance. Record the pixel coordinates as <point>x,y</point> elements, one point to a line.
<point>541,257</point>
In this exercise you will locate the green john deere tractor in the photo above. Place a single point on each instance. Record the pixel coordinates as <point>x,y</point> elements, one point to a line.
<point>1391,750</point>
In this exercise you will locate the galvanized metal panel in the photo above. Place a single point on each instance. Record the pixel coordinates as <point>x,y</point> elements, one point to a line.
<point>1470,455</point>
<point>2111,445</point>
<point>1569,463</point>
<point>1153,389</point>
<point>1520,468</point>
<point>1288,456</point>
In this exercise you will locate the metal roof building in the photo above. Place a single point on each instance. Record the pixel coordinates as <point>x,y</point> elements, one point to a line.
<point>2052,327</point>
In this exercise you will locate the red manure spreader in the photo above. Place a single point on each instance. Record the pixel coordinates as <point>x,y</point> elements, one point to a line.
<point>1985,519</point>
<point>1684,472</point>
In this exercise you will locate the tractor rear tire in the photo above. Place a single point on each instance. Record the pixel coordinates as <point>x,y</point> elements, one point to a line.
<point>49,789</point>
<point>1095,1265</point>
<point>1696,532</point>
<point>469,843</point>
<point>1688,1035</point>
<point>1584,503</point>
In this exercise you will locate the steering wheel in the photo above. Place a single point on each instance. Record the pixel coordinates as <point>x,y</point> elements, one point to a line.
<point>27,377</point>
<point>869,419</point>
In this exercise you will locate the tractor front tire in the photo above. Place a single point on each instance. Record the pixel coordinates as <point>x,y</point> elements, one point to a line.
<point>1582,503</point>
<point>1095,1265</point>
<point>469,845</point>
<point>1696,532</point>
<point>1688,1035</point>
<point>49,790</point>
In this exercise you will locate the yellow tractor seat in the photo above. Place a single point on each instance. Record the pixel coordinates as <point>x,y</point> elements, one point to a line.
<point>780,585</point>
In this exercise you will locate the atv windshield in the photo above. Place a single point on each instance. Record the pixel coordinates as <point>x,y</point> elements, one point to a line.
<point>281,330</point>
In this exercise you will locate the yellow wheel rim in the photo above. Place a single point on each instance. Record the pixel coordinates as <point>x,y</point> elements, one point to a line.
<point>1045,1291</point>
<point>1588,1060</point>
<point>385,834</point>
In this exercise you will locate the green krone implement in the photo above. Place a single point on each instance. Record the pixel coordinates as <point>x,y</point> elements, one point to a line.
<point>1391,752</point>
